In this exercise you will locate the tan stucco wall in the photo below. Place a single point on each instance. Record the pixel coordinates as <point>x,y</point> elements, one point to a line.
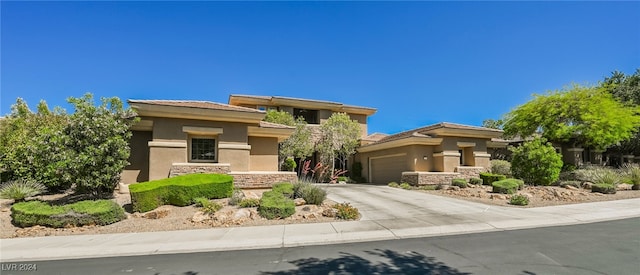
<point>263,154</point>
<point>364,158</point>
<point>138,168</point>
<point>169,129</point>
<point>161,159</point>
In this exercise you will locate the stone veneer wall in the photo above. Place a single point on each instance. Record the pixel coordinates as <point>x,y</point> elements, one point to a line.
<point>428,178</point>
<point>178,169</point>
<point>468,172</point>
<point>434,178</point>
<point>261,179</point>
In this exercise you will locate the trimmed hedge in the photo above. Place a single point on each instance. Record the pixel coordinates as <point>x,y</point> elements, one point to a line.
<point>179,191</point>
<point>508,186</point>
<point>462,183</point>
<point>274,205</point>
<point>283,188</point>
<point>603,188</point>
<point>488,178</point>
<point>99,212</point>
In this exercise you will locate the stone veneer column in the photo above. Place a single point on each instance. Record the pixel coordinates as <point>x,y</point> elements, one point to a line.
<point>575,156</point>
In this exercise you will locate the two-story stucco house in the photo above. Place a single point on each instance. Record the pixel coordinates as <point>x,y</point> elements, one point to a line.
<point>175,137</point>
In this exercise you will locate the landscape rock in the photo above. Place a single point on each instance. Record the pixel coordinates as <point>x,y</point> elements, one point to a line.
<point>200,217</point>
<point>299,201</point>
<point>497,197</point>
<point>158,213</point>
<point>330,212</point>
<point>123,188</point>
<point>623,187</point>
<point>571,187</point>
<point>250,195</point>
<point>454,188</point>
<point>242,214</point>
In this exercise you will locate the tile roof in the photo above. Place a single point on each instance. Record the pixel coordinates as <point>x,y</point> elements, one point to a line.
<point>300,99</point>
<point>423,131</point>
<point>375,136</point>
<point>197,104</point>
<point>264,124</point>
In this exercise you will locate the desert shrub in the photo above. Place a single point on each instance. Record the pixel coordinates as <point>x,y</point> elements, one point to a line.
<point>500,167</point>
<point>283,188</point>
<point>346,211</point>
<point>405,186</point>
<point>311,194</point>
<point>519,200</point>
<point>249,203</point>
<point>475,181</point>
<point>236,197</point>
<point>99,212</point>
<point>200,202</point>
<point>18,190</point>
<point>632,174</point>
<point>488,178</point>
<point>393,184</point>
<point>635,187</point>
<point>605,176</point>
<point>507,186</point>
<point>441,186</point>
<point>180,190</point>
<point>536,162</point>
<point>428,187</point>
<point>603,188</point>
<point>345,179</point>
<point>274,205</point>
<point>462,183</point>
<point>211,207</point>
<point>289,164</point>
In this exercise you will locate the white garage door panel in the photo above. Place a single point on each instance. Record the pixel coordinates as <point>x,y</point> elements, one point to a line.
<point>385,170</point>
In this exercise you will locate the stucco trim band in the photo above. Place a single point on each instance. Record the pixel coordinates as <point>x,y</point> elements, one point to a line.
<point>446,154</point>
<point>575,149</point>
<point>233,146</point>
<point>481,155</point>
<point>168,144</point>
<point>466,144</point>
<point>202,130</point>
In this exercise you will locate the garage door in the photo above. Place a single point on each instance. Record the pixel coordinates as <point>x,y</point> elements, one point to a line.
<point>388,169</point>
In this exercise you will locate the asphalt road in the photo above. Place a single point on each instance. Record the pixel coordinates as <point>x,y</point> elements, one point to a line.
<point>600,248</point>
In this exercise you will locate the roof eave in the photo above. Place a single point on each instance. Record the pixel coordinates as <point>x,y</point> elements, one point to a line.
<point>157,110</point>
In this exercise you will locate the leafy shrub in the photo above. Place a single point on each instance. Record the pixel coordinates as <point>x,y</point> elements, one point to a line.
<point>405,186</point>
<point>603,188</point>
<point>462,183</point>
<point>536,162</point>
<point>500,167</point>
<point>200,202</point>
<point>346,211</point>
<point>99,212</point>
<point>236,197</point>
<point>393,184</point>
<point>507,186</point>
<point>180,190</point>
<point>488,178</point>
<point>475,181</point>
<point>289,164</point>
<point>568,167</point>
<point>18,190</point>
<point>274,205</point>
<point>635,187</point>
<point>249,203</point>
<point>428,187</point>
<point>211,207</point>
<point>519,200</point>
<point>345,179</point>
<point>283,188</point>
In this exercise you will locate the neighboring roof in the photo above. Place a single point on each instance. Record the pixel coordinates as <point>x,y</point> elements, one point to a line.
<point>196,104</point>
<point>238,99</point>
<point>444,129</point>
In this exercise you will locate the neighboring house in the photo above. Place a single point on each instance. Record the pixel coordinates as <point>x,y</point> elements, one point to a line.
<point>175,137</point>
<point>429,155</point>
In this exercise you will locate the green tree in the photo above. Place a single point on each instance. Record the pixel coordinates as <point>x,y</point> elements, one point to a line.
<point>588,116</point>
<point>97,139</point>
<point>625,88</point>
<point>299,145</point>
<point>31,145</point>
<point>339,139</point>
<point>536,162</point>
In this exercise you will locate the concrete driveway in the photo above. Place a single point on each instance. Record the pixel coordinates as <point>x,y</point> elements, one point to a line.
<point>395,207</point>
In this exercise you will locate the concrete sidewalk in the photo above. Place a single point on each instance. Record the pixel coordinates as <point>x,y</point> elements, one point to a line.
<point>469,218</point>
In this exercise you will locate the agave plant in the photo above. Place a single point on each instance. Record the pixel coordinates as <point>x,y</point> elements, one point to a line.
<point>632,173</point>
<point>606,176</point>
<point>18,190</point>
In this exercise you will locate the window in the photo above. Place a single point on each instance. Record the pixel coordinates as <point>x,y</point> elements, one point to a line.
<point>310,116</point>
<point>262,108</point>
<point>203,149</point>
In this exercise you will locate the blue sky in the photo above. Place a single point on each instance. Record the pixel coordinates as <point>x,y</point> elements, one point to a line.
<point>418,63</point>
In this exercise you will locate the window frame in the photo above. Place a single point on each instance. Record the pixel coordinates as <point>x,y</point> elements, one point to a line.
<point>190,148</point>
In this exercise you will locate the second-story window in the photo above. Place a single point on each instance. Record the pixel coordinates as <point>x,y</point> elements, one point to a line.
<point>310,116</point>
